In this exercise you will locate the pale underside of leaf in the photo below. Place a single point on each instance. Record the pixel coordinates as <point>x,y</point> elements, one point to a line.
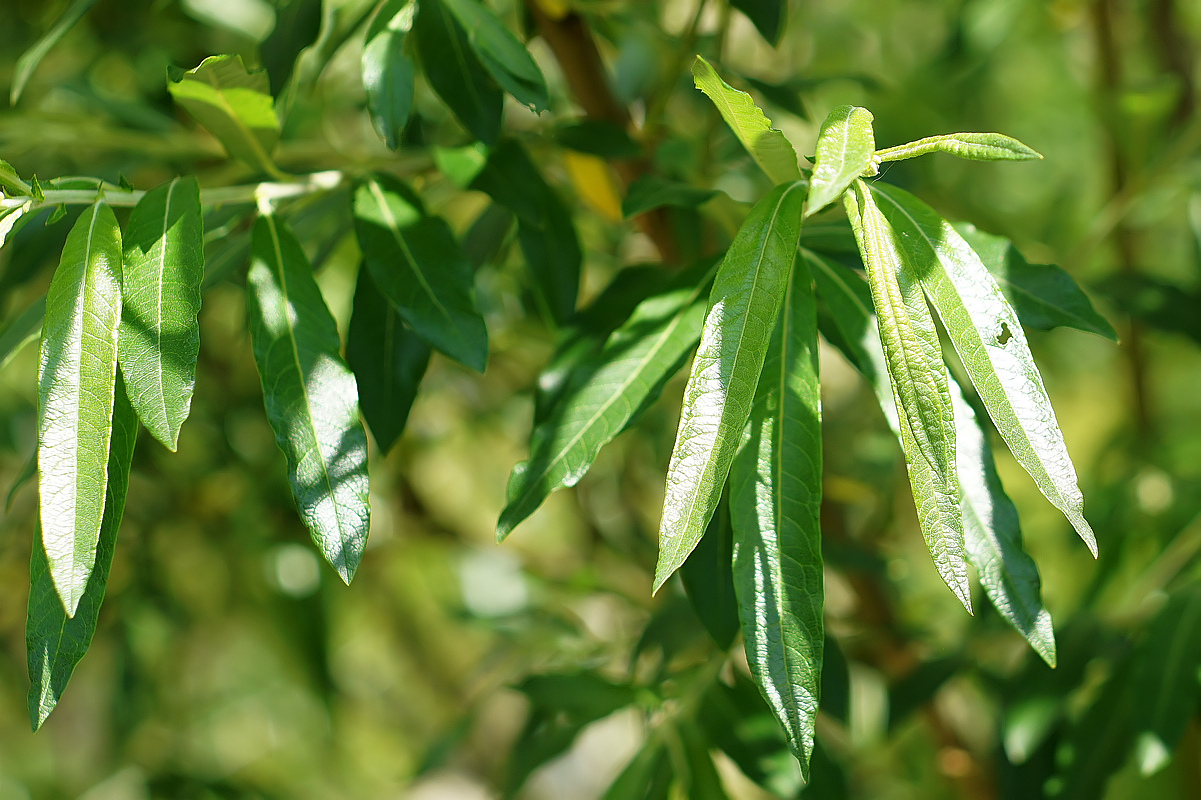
<point>845,146</point>
<point>990,342</point>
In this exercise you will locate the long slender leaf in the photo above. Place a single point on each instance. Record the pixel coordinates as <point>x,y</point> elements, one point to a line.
<point>160,337</point>
<point>10,181</point>
<point>845,147</point>
<point>703,781</point>
<point>21,331</point>
<point>775,494</point>
<point>454,71</point>
<point>919,383</point>
<point>708,578</point>
<point>310,395</point>
<point>991,344</point>
<point>388,80</point>
<point>974,146</point>
<point>646,777</point>
<point>767,15</point>
<point>56,642</point>
<point>747,293</point>
<point>30,59</point>
<point>636,361</point>
<point>10,217</point>
<point>416,263</point>
<point>501,53</point>
<point>76,376</point>
<point>768,146</point>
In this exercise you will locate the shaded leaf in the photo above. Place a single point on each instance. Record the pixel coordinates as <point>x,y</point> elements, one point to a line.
<point>598,137</point>
<point>76,376</point>
<point>1158,304</point>
<point>646,777</point>
<point>651,191</point>
<point>30,59</point>
<point>845,146</point>
<point>741,317</point>
<point>160,337</point>
<point>702,779</point>
<point>28,473</point>
<point>56,642</point>
<point>10,181</point>
<point>974,146</point>
<point>708,578</point>
<point>455,73</point>
<point>1099,743</point>
<point>297,23</point>
<point>768,146</point>
<point>919,687</point>
<point>768,16</point>
<point>310,395</point>
<point>388,80</point>
<point>501,53</point>
<point>786,95</point>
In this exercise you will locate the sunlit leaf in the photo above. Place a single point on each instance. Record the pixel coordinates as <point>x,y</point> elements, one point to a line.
<point>845,146</point>
<point>160,338</point>
<point>388,81</point>
<point>10,181</point>
<point>9,218</point>
<point>30,59</point>
<point>768,146</point>
<point>310,395</point>
<point>974,146</point>
<point>501,53</point>
<point>747,293</point>
<point>76,377</point>
<point>455,73</point>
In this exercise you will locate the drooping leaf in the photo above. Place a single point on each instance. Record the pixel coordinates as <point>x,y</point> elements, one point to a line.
<point>76,375</point>
<point>786,94</point>
<point>702,779</point>
<point>646,777</point>
<point>635,363</point>
<point>597,137</point>
<point>297,24</point>
<point>768,146</point>
<point>919,383</point>
<point>708,578</point>
<point>30,59</point>
<point>56,642</point>
<point>651,191</point>
<point>775,499</point>
<point>234,104</point>
<point>741,317</point>
<point>991,344</point>
<point>160,337</point>
<point>1160,305</point>
<point>545,227</point>
<point>1167,680</point>
<point>768,16</point>
<point>501,53</point>
<point>455,73</point>
<point>417,264</point>
<point>845,147</point>
<point>388,361</point>
<point>310,395</point>
<point>388,81</point>
<point>1099,742</point>
<point>974,146</point>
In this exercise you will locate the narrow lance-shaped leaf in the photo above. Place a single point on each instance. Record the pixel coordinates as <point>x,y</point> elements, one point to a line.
<point>767,15</point>
<point>160,338</point>
<point>56,642</point>
<point>992,532</point>
<point>768,146</point>
<point>30,59</point>
<point>310,395</point>
<point>992,346</point>
<point>417,264</point>
<point>743,306</point>
<point>234,104</point>
<point>388,80</point>
<point>454,71</point>
<point>501,53</point>
<point>845,146</point>
<point>919,383</point>
<point>76,377</point>
<point>637,359</point>
<point>775,495</point>
<point>708,578</point>
<point>974,146</point>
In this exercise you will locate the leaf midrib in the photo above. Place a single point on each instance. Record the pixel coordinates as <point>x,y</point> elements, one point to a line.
<point>247,133</point>
<point>394,229</point>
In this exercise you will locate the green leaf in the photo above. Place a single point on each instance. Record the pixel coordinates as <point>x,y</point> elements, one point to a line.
<point>56,642</point>
<point>786,95</point>
<point>76,377</point>
<point>30,59</point>
<point>775,498</point>
<point>920,392</point>
<point>702,779</point>
<point>297,25</point>
<point>545,227</point>
<point>1160,305</point>
<point>768,146</point>
<point>417,264</point>
<point>11,181</point>
<point>10,218</point>
<point>768,16</point>
<point>234,104</point>
<point>310,395</point>
<point>651,191</point>
<point>974,146</point>
<point>28,473</point>
<point>455,73</point>
<point>646,777</point>
<point>919,687</point>
<point>388,361</point>
<point>598,137</point>
<point>708,578</point>
<point>1098,744</point>
<point>1044,295</point>
<point>388,81</point>
<point>845,146</point>
<point>1167,680</point>
<point>501,53</point>
<point>160,338</point>
<point>741,317</point>
<point>992,346</point>
<point>636,361</point>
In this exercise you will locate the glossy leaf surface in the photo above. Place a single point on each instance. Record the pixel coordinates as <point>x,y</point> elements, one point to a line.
<point>991,344</point>
<point>775,496</point>
<point>974,146</point>
<point>76,376</point>
<point>56,642</point>
<point>747,293</point>
<point>234,104</point>
<point>417,264</point>
<point>310,395</point>
<point>768,146</point>
<point>845,147</point>
<point>455,73</point>
<point>160,338</point>
<point>919,383</point>
<point>388,80</point>
<point>501,53</point>
<point>30,59</point>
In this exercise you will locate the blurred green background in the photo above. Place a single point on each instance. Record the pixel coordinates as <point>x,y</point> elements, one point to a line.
<point>230,663</point>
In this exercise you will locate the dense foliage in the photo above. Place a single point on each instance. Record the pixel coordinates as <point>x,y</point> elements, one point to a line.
<point>428,237</point>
